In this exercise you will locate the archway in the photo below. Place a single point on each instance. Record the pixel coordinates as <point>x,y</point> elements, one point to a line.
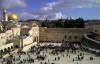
<point>5,50</point>
<point>8,49</point>
<point>11,47</point>
<point>35,39</point>
<point>1,53</point>
<point>16,46</point>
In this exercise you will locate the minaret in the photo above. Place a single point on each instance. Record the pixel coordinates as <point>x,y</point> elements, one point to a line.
<point>4,14</point>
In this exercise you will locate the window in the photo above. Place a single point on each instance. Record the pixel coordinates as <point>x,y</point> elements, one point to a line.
<point>95,30</point>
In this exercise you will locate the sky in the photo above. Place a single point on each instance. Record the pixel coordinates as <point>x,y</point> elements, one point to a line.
<point>52,9</point>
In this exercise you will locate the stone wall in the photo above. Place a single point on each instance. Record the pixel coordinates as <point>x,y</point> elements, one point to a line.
<point>62,34</point>
<point>35,34</point>
<point>17,42</point>
<point>96,28</point>
<point>90,43</point>
<point>16,31</point>
<point>9,34</point>
<point>3,38</point>
<point>6,46</point>
<point>27,40</point>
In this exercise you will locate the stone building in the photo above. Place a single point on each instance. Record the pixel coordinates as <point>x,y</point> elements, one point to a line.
<point>18,35</point>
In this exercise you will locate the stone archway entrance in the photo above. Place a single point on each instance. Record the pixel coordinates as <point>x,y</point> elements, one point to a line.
<point>37,39</point>
<point>11,47</point>
<point>34,39</point>
<point>16,46</point>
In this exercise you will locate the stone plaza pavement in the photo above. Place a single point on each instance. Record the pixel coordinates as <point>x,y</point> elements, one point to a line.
<point>65,58</point>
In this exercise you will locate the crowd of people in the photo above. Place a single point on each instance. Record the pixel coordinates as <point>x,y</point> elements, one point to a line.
<point>40,53</point>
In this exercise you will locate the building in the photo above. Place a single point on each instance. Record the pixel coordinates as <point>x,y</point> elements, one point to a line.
<point>14,34</point>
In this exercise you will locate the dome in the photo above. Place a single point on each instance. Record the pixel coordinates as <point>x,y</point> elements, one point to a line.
<point>12,17</point>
